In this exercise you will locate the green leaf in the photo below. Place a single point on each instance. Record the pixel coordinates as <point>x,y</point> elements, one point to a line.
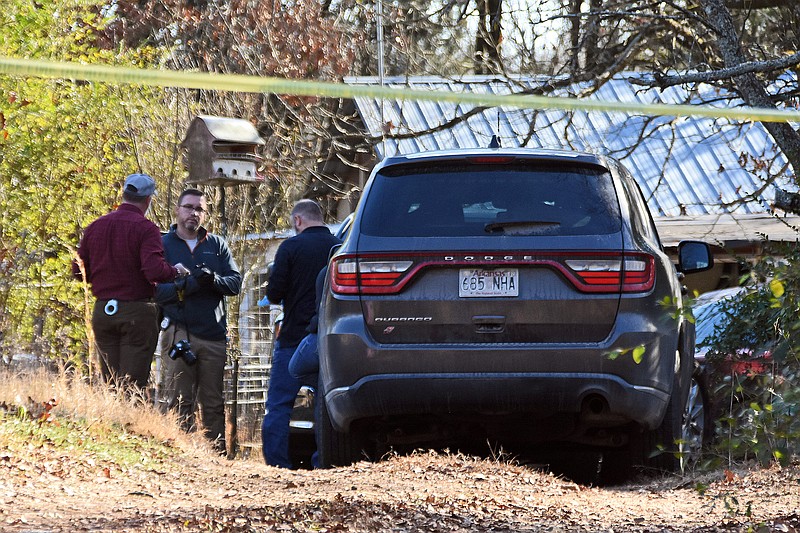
<point>777,288</point>
<point>638,354</point>
<point>783,458</point>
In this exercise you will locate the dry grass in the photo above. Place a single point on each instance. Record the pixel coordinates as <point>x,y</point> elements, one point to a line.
<point>93,405</point>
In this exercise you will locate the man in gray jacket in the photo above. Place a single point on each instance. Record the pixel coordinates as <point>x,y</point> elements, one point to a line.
<point>194,328</point>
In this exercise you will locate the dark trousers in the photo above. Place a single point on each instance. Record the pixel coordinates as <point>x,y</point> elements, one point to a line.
<point>283,389</point>
<point>186,388</point>
<point>126,341</point>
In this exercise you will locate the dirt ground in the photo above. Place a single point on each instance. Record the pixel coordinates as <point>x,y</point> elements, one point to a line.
<point>49,491</point>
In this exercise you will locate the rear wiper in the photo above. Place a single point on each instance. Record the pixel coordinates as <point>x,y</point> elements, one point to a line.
<point>518,225</point>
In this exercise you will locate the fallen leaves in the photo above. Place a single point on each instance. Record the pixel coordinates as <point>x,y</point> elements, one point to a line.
<point>81,489</point>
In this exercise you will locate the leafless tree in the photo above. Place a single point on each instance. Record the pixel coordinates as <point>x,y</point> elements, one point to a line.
<point>750,88</point>
<point>738,46</point>
<point>747,49</point>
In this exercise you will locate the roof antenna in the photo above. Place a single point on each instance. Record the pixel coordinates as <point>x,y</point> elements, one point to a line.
<point>495,142</point>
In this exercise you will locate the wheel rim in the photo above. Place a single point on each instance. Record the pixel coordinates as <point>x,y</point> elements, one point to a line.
<point>691,444</point>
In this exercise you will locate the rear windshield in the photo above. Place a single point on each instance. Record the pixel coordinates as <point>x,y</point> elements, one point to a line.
<point>489,200</point>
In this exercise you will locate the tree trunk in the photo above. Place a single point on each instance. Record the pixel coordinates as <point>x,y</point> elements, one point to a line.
<point>593,29</point>
<point>749,87</point>
<point>487,40</point>
<point>575,35</point>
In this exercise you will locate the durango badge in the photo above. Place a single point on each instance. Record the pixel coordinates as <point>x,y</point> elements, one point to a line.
<point>403,319</point>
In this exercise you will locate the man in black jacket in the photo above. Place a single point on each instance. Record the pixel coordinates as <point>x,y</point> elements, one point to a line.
<point>291,284</point>
<point>194,311</point>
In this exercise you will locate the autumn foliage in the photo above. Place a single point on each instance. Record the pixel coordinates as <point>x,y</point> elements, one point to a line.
<point>297,40</point>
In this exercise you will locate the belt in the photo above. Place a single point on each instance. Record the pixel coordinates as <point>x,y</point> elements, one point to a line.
<point>110,307</point>
<point>141,300</point>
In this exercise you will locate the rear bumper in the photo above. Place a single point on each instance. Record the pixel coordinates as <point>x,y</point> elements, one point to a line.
<point>364,379</point>
<point>605,400</point>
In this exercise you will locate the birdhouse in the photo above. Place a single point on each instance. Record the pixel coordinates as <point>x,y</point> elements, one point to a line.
<point>221,151</point>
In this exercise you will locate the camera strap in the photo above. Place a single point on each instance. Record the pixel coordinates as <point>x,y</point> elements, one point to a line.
<point>180,290</point>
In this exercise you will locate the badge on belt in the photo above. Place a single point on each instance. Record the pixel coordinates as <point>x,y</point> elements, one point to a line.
<point>111,307</point>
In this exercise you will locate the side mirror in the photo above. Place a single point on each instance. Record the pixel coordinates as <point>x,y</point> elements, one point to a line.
<point>694,256</point>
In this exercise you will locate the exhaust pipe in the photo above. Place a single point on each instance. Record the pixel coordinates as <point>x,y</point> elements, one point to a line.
<point>594,404</point>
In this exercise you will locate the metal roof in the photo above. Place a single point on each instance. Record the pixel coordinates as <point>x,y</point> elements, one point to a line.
<point>234,130</point>
<point>686,166</point>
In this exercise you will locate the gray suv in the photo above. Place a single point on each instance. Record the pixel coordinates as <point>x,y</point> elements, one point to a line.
<point>511,294</point>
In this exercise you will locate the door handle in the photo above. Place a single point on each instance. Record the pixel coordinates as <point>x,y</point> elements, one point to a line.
<point>489,323</point>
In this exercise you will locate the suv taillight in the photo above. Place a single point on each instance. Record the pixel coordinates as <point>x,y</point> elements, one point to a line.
<point>351,275</point>
<point>630,272</point>
<point>596,272</point>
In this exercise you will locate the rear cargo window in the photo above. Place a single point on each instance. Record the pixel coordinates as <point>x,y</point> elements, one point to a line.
<point>482,200</point>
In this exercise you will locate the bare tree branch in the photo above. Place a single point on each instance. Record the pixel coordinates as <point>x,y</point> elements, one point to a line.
<point>749,87</point>
<point>749,67</point>
<point>758,4</point>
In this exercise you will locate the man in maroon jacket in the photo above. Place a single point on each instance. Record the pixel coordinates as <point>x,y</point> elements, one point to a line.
<point>123,258</point>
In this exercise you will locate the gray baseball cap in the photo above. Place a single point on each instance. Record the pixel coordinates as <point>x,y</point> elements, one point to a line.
<point>140,185</point>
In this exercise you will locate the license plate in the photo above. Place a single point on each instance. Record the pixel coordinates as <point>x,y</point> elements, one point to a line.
<point>478,283</point>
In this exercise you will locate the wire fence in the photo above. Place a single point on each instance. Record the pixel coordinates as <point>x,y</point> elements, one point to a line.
<point>249,364</point>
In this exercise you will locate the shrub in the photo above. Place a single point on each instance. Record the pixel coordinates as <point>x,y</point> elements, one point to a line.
<point>754,365</point>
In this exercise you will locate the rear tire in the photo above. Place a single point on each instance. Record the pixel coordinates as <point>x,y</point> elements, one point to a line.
<point>661,448</point>
<point>335,447</point>
<point>697,427</point>
<point>616,465</point>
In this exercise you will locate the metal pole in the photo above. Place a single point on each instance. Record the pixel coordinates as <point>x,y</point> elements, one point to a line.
<point>233,444</point>
<point>233,421</point>
<point>223,218</point>
<point>380,42</point>
<point>379,12</point>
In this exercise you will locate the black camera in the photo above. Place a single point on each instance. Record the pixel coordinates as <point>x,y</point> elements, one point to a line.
<point>204,275</point>
<point>184,350</point>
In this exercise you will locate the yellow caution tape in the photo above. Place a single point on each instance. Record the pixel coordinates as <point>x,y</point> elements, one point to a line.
<point>257,84</point>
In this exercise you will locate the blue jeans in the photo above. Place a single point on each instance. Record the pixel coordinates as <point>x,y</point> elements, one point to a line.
<point>283,389</point>
<point>304,364</point>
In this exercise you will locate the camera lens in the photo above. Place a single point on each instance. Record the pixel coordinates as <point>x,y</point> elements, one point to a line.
<point>183,349</point>
<point>174,352</point>
<point>189,357</point>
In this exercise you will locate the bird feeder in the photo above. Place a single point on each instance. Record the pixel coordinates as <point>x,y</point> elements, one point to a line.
<point>222,151</point>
